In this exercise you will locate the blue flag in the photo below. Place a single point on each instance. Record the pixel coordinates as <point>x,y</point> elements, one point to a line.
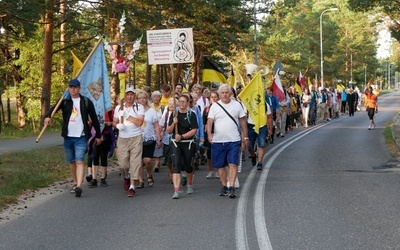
<point>95,84</point>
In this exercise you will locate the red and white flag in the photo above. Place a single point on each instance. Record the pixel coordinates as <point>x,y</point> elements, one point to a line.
<point>277,89</point>
<point>302,80</point>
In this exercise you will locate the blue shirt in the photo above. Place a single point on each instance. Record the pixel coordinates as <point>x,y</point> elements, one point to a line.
<point>273,102</point>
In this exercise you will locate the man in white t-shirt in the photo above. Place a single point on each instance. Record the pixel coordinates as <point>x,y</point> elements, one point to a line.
<point>76,110</point>
<point>227,141</point>
<point>128,119</point>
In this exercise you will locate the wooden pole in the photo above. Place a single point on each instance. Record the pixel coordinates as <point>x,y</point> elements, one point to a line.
<point>51,116</point>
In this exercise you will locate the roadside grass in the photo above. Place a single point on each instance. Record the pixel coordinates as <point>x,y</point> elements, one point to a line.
<point>27,170</point>
<point>390,143</point>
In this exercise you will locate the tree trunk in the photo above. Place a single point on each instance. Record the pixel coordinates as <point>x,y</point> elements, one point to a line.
<point>148,74</point>
<point>63,36</point>
<point>48,52</point>
<point>20,111</point>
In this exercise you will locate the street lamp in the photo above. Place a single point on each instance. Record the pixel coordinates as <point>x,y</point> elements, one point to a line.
<point>389,64</point>
<point>320,37</point>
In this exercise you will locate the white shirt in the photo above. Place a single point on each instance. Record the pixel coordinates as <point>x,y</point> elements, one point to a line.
<point>225,130</point>
<point>130,130</point>
<point>148,130</point>
<point>164,124</point>
<point>203,103</point>
<point>75,124</point>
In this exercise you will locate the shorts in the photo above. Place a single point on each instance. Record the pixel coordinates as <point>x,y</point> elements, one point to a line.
<point>225,153</point>
<point>75,148</point>
<point>260,137</point>
<point>148,151</point>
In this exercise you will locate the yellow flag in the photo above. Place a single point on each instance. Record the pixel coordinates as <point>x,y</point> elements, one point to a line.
<point>77,65</point>
<point>309,81</point>
<point>298,88</point>
<point>340,87</point>
<point>253,99</point>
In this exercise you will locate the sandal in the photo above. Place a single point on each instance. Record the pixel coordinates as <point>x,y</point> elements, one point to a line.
<point>72,191</point>
<point>140,185</point>
<point>150,181</point>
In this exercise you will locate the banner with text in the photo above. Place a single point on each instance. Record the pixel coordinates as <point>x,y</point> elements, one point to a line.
<point>170,46</point>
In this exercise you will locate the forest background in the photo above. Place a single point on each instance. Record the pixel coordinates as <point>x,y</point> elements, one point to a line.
<point>37,38</point>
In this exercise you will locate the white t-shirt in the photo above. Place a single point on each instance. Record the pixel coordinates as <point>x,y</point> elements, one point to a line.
<point>225,130</point>
<point>130,130</point>
<point>203,103</point>
<point>164,124</point>
<point>148,130</point>
<point>75,124</point>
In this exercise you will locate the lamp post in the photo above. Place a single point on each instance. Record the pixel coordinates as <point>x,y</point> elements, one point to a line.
<point>389,66</point>
<point>320,37</point>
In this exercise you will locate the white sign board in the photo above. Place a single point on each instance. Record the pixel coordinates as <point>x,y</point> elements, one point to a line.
<point>170,46</point>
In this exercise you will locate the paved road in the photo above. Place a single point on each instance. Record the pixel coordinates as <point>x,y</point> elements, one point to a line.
<point>28,143</point>
<point>331,186</point>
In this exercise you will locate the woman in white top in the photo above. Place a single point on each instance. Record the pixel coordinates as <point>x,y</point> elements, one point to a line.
<point>151,138</point>
<point>305,105</point>
<point>158,151</point>
<point>165,135</point>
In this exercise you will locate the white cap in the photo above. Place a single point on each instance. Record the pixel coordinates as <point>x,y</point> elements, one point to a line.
<point>129,89</point>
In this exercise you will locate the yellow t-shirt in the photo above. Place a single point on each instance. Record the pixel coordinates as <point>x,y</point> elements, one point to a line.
<point>164,101</point>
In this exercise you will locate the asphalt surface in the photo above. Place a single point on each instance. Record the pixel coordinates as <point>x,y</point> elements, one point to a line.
<point>29,143</point>
<point>331,186</point>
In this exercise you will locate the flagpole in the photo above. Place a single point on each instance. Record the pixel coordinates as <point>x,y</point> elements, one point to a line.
<point>51,116</point>
<point>88,58</point>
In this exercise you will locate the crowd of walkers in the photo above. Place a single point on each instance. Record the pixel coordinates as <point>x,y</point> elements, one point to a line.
<point>185,129</point>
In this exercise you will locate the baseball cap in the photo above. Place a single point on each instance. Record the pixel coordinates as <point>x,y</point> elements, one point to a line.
<point>129,89</point>
<point>74,82</point>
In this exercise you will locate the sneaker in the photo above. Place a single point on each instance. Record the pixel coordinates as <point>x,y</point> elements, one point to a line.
<point>231,192</point>
<point>127,183</point>
<point>176,195</point>
<point>282,135</point>
<point>210,175</point>
<point>243,157</point>
<point>216,175</point>
<point>373,125</point>
<point>224,191</point>
<point>184,180</point>
<point>157,169</point>
<point>190,190</point>
<point>103,183</point>
<point>131,192</point>
<point>78,192</point>
<point>369,127</point>
<point>254,160</point>
<point>89,178</point>
<point>259,166</point>
<point>93,183</point>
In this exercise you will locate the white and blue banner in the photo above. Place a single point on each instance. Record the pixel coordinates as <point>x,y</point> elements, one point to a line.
<point>95,84</point>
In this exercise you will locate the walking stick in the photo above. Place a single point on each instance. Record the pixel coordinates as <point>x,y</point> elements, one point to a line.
<point>51,116</point>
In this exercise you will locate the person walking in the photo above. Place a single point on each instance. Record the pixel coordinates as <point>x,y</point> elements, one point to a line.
<point>305,107</point>
<point>151,139</point>
<point>102,152</point>
<point>128,119</point>
<point>227,141</point>
<point>214,97</point>
<point>155,104</point>
<point>76,111</point>
<point>183,128</point>
<point>371,105</point>
<point>167,136</point>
